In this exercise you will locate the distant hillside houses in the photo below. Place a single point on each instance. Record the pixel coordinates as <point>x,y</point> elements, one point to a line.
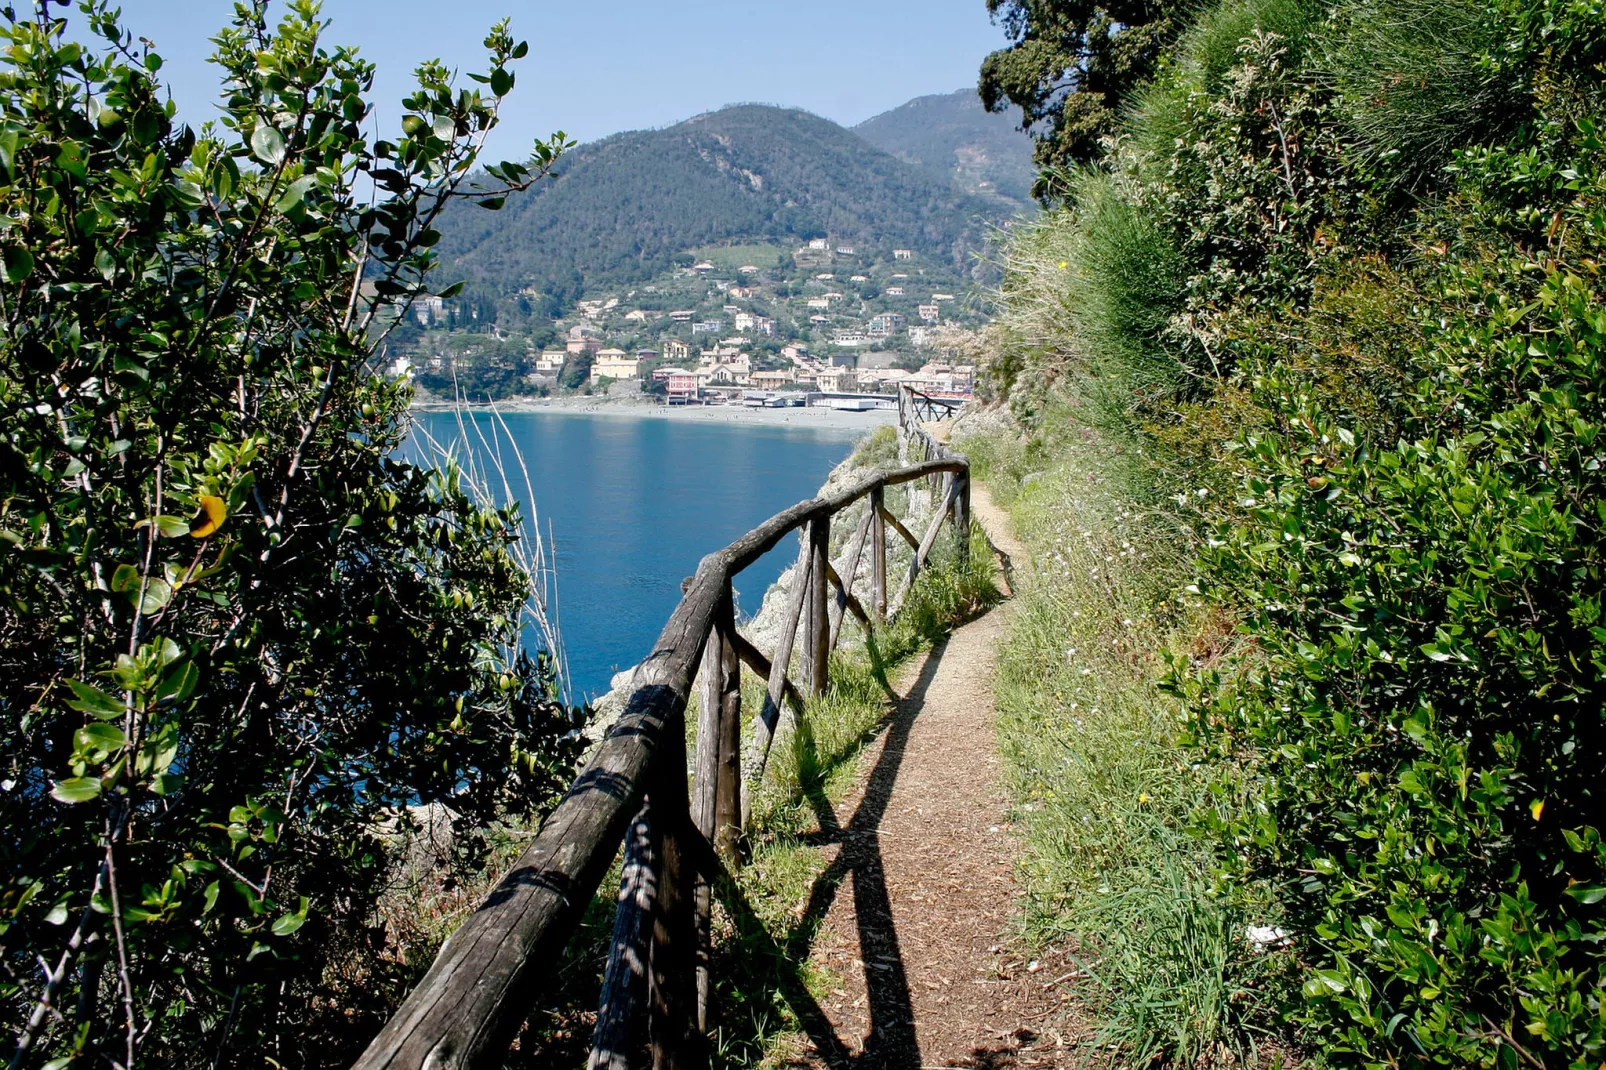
<point>747,321</point>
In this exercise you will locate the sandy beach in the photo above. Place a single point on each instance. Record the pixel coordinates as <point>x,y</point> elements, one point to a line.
<point>811,417</point>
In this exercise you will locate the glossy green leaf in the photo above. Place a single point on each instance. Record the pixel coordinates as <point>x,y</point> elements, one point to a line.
<point>267,144</point>
<point>18,264</point>
<point>92,700</point>
<point>76,789</point>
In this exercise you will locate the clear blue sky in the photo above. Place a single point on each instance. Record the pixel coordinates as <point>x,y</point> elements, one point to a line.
<point>599,67</point>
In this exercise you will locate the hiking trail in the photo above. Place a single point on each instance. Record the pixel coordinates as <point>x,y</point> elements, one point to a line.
<point>920,885</point>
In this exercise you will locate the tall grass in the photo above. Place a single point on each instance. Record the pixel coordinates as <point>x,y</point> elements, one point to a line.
<point>1419,78</point>
<point>1090,290</point>
<point>1105,794</point>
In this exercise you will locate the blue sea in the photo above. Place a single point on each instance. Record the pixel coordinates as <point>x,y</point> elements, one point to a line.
<point>633,504</point>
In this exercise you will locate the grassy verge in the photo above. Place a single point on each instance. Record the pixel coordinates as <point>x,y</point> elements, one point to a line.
<point>1105,795</point>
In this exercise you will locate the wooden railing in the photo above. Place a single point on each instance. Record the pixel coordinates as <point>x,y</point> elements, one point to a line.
<point>488,975</point>
<point>914,406</point>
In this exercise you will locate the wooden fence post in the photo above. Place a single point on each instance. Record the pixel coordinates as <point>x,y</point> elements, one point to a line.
<point>817,626</point>
<point>620,1012</point>
<point>797,607</point>
<point>962,515</point>
<point>878,554</point>
<point>672,1026</point>
<point>717,791</point>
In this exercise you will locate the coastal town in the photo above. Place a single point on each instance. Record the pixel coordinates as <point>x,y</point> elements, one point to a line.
<point>757,325</point>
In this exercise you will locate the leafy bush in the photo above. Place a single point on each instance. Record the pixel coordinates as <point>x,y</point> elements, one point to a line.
<point>239,637</point>
<point>1424,699</point>
<point>1395,433</point>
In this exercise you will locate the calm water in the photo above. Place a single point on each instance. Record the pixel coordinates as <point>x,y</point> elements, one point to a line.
<point>634,504</point>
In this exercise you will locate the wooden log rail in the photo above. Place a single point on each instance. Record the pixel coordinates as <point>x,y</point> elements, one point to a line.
<point>655,998</point>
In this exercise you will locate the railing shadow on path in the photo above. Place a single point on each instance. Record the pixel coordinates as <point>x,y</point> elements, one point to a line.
<point>892,1042</point>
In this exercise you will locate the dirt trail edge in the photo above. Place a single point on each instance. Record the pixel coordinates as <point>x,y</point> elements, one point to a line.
<point>917,934</point>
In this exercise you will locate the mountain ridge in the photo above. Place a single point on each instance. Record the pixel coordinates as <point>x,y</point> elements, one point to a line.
<point>985,154</point>
<point>621,208</point>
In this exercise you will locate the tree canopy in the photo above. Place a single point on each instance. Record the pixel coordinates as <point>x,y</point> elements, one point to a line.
<point>1071,66</point>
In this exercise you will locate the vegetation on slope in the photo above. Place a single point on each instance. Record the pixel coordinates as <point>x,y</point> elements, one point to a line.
<point>620,209</point>
<point>1338,282</point>
<point>242,642</point>
<point>1071,67</point>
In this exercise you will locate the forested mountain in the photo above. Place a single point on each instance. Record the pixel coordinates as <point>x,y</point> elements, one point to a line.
<point>621,208</point>
<point>952,135</point>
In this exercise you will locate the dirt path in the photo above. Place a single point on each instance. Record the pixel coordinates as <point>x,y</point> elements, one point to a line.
<point>917,930</point>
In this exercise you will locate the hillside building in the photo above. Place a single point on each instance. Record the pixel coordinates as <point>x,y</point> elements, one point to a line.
<point>838,381</point>
<point>615,364</point>
<point>429,310</point>
<point>681,386</point>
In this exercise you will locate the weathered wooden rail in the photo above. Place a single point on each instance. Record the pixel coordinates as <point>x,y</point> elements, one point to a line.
<point>487,977</point>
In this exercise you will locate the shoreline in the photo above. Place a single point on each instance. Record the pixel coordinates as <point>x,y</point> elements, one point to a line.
<point>809,417</point>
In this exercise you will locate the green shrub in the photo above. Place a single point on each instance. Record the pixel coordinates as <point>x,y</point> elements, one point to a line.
<point>1422,704</point>
<point>240,638</point>
<point>1400,385</point>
